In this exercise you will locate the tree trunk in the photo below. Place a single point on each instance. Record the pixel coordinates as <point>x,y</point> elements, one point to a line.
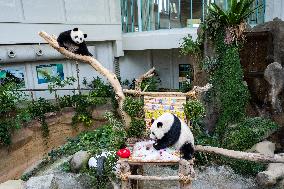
<point>112,78</point>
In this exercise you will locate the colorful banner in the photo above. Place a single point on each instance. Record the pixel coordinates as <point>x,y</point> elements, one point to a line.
<point>53,70</point>
<point>156,106</point>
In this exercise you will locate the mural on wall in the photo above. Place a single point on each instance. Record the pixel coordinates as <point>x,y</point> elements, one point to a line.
<point>52,70</point>
<point>15,73</point>
<point>156,106</point>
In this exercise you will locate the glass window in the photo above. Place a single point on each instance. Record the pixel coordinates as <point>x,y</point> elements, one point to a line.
<point>129,15</point>
<point>185,74</point>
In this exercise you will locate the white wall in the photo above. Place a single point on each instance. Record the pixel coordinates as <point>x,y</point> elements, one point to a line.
<point>274,8</point>
<point>166,62</point>
<point>103,51</point>
<point>21,20</point>
<point>134,63</point>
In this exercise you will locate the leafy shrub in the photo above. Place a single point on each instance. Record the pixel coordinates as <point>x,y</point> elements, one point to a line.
<point>133,107</point>
<point>109,137</point>
<point>194,110</point>
<point>150,84</point>
<point>38,109</point>
<point>11,116</point>
<point>244,135</point>
<point>137,128</point>
<point>190,46</point>
<point>99,88</point>
<point>185,86</point>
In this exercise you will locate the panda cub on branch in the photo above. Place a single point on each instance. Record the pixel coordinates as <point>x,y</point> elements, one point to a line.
<point>74,41</point>
<point>168,130</point>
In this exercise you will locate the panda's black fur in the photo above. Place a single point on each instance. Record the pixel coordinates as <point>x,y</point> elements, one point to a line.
<point>172,137</point>
<point>65,40</point>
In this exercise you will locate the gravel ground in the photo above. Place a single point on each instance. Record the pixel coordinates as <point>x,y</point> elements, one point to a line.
<point>212,177</point>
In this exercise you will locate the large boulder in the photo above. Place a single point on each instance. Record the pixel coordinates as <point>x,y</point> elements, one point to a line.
<point>42,182</point>
<point>79,160</point>
<point>55,181</point>
<point>12,184</point>
<point>264,147</point>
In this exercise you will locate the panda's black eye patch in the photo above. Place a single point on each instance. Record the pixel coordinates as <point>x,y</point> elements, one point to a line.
<point>159,124</point>
<point>152,121</point>
<point>76,37</point>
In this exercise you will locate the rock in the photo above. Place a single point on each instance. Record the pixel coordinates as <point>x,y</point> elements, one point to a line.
<point>12,184</point>
<point>79,160</point>
<point>264,147</point>
<point>42,182</point>
<point>54,181</point>
<point>274,172</point>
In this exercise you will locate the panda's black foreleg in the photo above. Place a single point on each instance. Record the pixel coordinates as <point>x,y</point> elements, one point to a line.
<point>187,151</point>
<point>164,143</point>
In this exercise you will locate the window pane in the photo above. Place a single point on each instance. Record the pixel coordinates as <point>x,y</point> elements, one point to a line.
<point>129,15</point>
<point>185,13</point>
<point>164,9</point>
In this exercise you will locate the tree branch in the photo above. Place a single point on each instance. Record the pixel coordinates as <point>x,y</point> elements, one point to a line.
<point>257,157</point>
<point>138,81</point>
<point>111,77</point>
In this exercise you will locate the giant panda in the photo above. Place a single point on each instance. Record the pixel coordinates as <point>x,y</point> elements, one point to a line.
<point>74,41</point>
<point>168,130</point>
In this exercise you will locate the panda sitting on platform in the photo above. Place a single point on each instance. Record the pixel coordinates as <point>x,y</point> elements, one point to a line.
<point>74,41</point>
<point>168,130</point>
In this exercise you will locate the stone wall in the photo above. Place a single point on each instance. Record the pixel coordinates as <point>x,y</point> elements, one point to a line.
<point>29,146</point>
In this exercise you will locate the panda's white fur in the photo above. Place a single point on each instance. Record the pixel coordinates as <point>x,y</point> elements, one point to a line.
<point>77,36</point>
<point>163,126</point>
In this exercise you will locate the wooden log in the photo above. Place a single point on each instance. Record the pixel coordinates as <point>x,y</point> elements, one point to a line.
<point>123,173</point>
<point>111,77</point>
<point>157,178</point>
<point>134,92</point>
<point>256,157</point>
<point>186,174</point>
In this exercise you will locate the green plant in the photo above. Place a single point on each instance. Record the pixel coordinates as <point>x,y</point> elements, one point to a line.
<point>133,107</point>
<point>38,109</point>
<point>190,46</point>
<point>109,137</point>
<point>150,84</point>
<point>137,128</point>
<point>99,88</point>
<point>228,85</point>
<point>11,116</point>
<point>185,86</point>
<point>194,110</point>
<point>238,12</point>
<point>244,135</point>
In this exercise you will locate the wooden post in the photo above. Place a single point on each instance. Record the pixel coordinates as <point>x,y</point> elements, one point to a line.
<point>123,173</point>
<point>186,174</point>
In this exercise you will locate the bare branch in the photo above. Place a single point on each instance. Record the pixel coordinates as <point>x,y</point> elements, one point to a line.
<point>138,81</point>
<point>257,157</point>
<point>112,78</point>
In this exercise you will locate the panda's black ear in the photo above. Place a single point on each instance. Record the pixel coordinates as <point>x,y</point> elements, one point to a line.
<point>85,35</point>
<point>152,121</point>
<point>75,29</point>
<point>159,124</point>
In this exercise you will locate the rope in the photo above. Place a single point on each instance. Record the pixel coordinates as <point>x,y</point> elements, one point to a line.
<point>185,179</point>
<point>124,177</point>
